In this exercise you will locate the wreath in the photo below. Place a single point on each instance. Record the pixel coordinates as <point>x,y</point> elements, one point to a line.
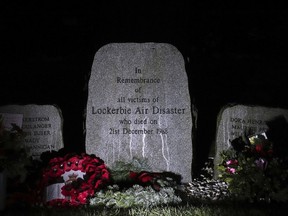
<point>73,179</point>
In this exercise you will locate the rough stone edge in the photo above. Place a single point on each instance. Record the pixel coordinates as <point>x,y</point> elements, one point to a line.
<point>194,118</point>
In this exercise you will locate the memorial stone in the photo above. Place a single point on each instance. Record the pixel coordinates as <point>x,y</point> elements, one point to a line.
<point>42,125</point>
<point>237,120</point>
<point>139,107</point>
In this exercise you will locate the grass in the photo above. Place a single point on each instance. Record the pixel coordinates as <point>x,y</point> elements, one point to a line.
<point>197,209</point>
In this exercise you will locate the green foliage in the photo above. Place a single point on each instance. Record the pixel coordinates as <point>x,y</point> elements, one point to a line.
<point>254,174</point>
<point>136,196</point>
<point>120,170</point>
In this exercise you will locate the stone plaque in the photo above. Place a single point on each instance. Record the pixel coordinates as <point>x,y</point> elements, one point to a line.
<point>42,125</point>
<point>238,120</point>
<point>139,106</point>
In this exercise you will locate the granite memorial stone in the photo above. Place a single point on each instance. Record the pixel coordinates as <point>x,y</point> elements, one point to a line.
<point>237,120</point>
<point>42,125</point>
<point>139,107</point>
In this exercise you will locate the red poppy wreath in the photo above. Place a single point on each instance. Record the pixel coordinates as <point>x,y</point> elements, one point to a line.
<point>73,179</point>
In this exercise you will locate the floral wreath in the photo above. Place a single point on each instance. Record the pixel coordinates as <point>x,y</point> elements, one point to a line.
<point>73,179</point>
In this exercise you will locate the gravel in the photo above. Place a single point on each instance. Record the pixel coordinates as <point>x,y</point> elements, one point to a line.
<point>206,187</point>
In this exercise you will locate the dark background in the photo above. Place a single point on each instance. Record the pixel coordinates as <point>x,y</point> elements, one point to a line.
<point>234,53</point>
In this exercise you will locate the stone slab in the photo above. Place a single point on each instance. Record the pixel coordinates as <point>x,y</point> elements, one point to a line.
<point>42,125</point>
<point>139,106</point>
<point>236,120</point>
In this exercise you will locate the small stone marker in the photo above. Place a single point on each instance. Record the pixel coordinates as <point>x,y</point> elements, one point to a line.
<point>139,106</point>
<point>237,120</point>
<point>42,125</point>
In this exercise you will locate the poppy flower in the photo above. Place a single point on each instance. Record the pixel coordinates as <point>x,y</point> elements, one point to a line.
<point>77,190</point>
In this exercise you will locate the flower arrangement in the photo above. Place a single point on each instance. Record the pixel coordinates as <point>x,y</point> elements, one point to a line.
<point>127,174</point>
<point>77,180</point>
<point>133,184</point>
<point>253,171</point>
<point>68,179</point>
<point>135,196</point>
<point>71,180</point>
